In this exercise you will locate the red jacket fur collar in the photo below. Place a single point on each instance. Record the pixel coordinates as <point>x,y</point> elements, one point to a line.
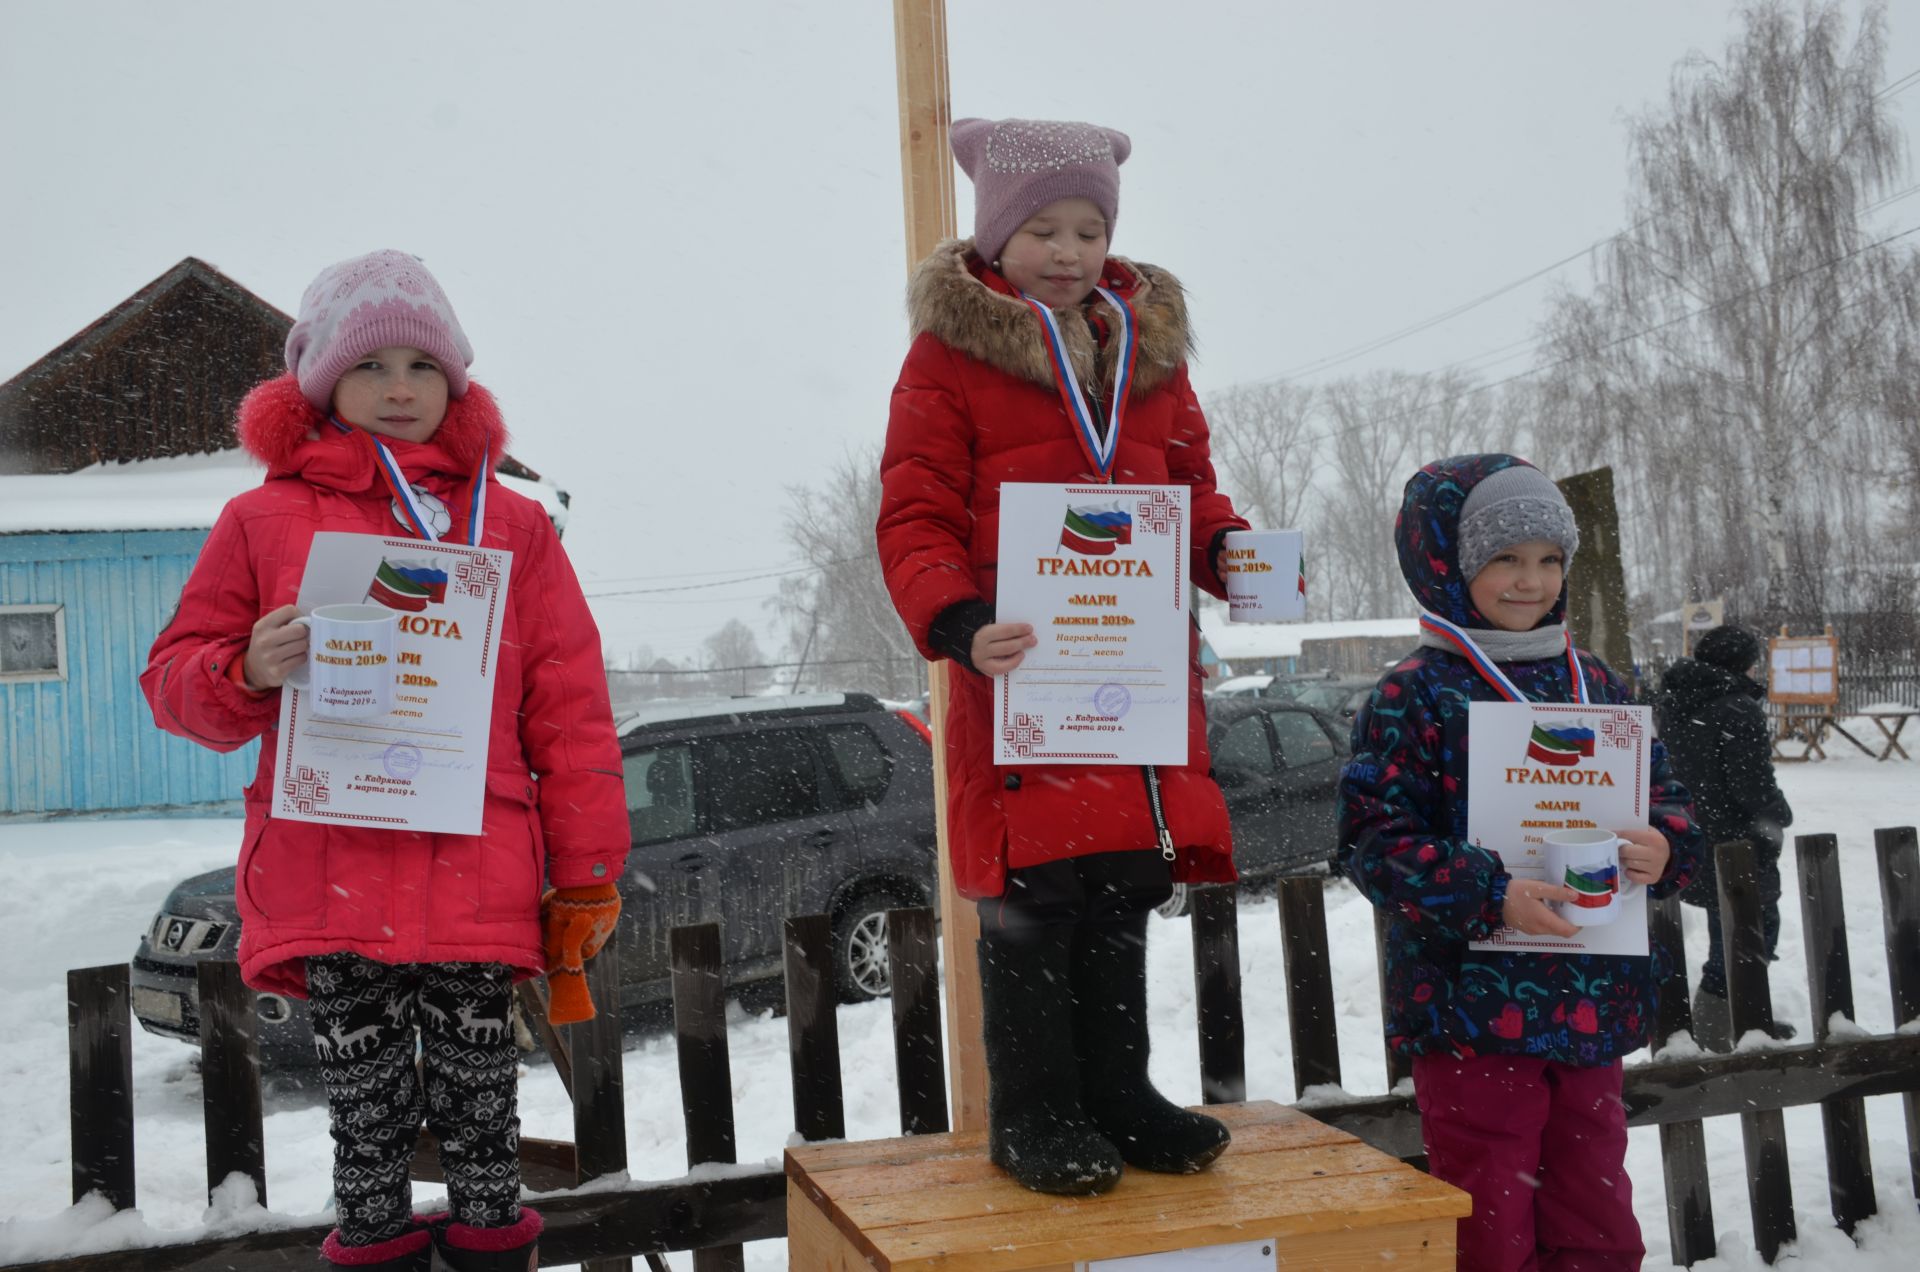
<point>281,429</point>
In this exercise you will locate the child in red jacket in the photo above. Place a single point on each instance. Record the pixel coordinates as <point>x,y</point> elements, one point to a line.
<point>388,932</point>
<point>1064,860</point>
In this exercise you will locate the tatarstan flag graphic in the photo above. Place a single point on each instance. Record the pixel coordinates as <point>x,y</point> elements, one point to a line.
<point>1096,531</point>
<point>407,586</point>
<point>1559,746</point>
<point>1593,888</point>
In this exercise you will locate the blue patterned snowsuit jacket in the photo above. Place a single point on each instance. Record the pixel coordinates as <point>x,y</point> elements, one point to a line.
<point>1403,835</point>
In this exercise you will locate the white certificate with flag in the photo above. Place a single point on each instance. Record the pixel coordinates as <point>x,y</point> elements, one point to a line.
<point>1101,573</point>
<point>423,766</point>
<point>1538,767</point>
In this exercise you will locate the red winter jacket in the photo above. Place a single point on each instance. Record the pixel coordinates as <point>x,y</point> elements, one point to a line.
<point>398,896</point>
<point>976,405</point>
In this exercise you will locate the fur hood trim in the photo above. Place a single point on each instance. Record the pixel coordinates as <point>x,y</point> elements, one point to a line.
<point>947,299</point>
<point>276,421</point>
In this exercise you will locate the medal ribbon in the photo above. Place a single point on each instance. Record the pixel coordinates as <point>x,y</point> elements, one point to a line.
<point>1100,452</point>
<point>403,494</point>
<point>1489,670</point>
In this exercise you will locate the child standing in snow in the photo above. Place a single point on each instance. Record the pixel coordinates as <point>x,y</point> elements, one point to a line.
<point>386,932</point>
<point>1064,860</point>
<point>1519,1100</point>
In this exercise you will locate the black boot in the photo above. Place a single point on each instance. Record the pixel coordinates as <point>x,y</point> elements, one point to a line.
<point>1110,1029</point>
<point>459,1247</point>
<point>1036,1130</point>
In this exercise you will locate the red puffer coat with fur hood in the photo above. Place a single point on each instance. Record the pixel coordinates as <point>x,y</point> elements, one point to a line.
<point>398,896</point>
<point>976,405</point>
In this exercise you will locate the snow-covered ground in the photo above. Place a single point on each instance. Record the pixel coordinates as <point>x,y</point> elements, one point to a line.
<point>80,892</point>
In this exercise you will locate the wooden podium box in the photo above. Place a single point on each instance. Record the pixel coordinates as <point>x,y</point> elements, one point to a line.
<point>930,1202</point>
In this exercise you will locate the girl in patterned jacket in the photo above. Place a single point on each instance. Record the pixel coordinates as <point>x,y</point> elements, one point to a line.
<point>1516,1056</point>
<point>389,932</point>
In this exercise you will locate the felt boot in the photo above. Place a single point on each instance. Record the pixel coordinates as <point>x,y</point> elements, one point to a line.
<point>1036,1130</point>
<point>459,1247</point>
<point>408,1252</point>
<point>1712,1020</point>
<point>1110,1030</point>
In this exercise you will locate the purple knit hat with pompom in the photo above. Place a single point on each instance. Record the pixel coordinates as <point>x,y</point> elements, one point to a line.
<point>373,302</point>
<point>1019,166</point>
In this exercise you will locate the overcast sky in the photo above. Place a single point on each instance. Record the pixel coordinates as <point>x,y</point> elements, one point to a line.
<point>674,236</point>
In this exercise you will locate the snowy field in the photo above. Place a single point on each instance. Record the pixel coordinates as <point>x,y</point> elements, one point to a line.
<point>82,891</point>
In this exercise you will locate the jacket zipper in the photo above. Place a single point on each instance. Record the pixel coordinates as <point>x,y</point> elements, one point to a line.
<point>1159,813</point>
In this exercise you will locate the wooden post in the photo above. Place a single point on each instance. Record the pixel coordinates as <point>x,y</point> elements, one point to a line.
<point>100,1069</point>
<point>1830,986</point>
<point>1597,586</point>
<point>1216,993</point>
<point>598,1087</point>
<point>706,1074</point>
<point>230,1078</point>
<point>1769,1186</point>
<point>926,186</point>
<point>1683,1144</point>
<point>813,1029</point>
<point>916,1022</point>
<point>1899,853</point>
<point>1311,1015</point>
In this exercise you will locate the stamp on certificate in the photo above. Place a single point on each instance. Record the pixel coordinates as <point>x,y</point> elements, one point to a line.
<point>1112,700</point>
<point>402,759</point>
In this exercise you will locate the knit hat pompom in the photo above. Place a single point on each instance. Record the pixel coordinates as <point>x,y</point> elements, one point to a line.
<point>1515,505</point>
<point>1019,166</point>
<point>376,301</point>
<point>1729,648</point>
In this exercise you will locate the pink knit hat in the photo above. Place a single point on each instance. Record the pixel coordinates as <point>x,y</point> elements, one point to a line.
<point>373,302</point>
<point>1019,166</point>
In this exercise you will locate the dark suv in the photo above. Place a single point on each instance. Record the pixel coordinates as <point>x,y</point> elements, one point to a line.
<point>743,811</point>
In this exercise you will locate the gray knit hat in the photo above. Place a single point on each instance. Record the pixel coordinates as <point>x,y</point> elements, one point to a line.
<point>1512,506</point>
<point>1019,166</point>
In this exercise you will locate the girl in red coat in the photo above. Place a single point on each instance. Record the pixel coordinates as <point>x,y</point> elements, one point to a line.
<point>1064,860</point>
<point>386,932</point>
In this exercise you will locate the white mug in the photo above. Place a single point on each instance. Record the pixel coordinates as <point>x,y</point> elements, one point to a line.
<point>1265,575</point>
<point>348,674</point>
<point>1588,861</point>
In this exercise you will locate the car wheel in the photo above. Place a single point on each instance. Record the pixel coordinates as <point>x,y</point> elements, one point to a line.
<point>860,967</point>
<point>1175,906</point>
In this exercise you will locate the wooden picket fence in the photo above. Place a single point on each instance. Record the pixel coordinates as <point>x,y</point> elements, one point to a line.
<point>712,1211</point>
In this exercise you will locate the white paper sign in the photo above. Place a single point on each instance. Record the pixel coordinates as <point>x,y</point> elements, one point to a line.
<point>423,766</point>
<point>1539,767</point>
<point>1101,573</point>
<point>1241,1256</point>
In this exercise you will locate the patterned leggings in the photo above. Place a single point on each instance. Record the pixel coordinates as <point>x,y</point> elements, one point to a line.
<point>364,1017</point>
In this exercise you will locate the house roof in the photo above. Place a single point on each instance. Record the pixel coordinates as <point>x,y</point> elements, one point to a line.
<point>1233,642</point>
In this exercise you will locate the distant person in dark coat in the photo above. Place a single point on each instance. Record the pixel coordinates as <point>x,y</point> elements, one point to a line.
<point>1709,715</point>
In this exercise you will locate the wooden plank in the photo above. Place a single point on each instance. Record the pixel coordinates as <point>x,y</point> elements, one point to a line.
<point>230,1077</point>
<point>545,1165</point>
<point>1683,1145</point>
<point>926,189</point>
<point>813,1029</point>
<point>1769,1186</point>
<point>1216,993</point>
<point>1823,921</point>
<point>531,995</point>
<point>706,1075</point>
<point>100,1081</point>
<point>1311,1020</point>
<point>599,1094</point>
<point>1899,859</point>
<point>1399,1067</point>
<point>922,1078</point>
<point>745,1205</point>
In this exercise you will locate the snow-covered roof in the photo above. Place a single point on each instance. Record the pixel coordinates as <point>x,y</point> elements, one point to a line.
<point>185,492</point>
<point>1234,641</point>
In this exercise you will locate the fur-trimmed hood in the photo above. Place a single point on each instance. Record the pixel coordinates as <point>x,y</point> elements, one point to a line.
<point>954,296</point>
<point>281,429</point>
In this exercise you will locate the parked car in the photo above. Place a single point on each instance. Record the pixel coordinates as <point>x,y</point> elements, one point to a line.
<point>1240,686</point>
<point>743,811</point>
<point>1278,765</point>
<point>1341,696</point>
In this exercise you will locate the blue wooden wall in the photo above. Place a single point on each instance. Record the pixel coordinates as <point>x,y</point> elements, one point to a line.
<point>89,743</point>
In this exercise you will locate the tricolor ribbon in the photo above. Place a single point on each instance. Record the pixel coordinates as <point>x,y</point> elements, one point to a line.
<point>408,503</point>
<point>1100,450</point>
<point>1489,670</point>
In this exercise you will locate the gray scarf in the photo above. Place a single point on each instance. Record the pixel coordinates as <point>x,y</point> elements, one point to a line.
<point>1504,646</point>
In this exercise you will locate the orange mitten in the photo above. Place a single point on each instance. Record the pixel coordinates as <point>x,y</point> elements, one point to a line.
<point>577,922</point>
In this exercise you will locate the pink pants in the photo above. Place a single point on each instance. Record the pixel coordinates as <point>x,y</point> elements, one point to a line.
<point>1542,1148</point>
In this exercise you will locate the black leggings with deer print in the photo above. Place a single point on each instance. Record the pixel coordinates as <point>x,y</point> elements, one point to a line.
<point>364,1018</point>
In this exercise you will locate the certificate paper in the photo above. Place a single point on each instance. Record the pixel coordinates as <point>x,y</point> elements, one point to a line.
<point>1539,767</point>
<point>423,767</point>
<point>1100,572</point>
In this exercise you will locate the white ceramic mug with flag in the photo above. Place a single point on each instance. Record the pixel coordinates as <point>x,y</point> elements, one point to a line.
<point>1588,861</point>
<point>1266,575</point>
<point>348,674</point>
